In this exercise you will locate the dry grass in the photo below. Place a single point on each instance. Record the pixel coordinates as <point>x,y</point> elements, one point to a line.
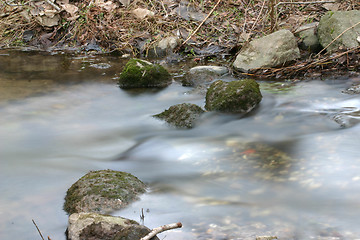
<point>230,24</point>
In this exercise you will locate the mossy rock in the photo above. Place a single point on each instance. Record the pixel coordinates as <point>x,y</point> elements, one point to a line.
<point>98,226</point>
<point>143,74</point>
<point>182,115</point>
<point>233,97</point>
<point>102,192</point>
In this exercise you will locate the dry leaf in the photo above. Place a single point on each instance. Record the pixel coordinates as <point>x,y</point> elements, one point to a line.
<point>142,13</point>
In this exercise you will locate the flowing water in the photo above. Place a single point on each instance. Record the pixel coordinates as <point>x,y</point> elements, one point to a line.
<point>290,169</point>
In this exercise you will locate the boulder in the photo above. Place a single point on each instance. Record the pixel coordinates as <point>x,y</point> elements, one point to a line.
<point>233,97</point>
<point>308,37</point>
<point>203,74</point>
<point>143,74</point>
<point>182,115</point>
<point>272,50</point>
<point>93,226</point>
<point>332,24</point>
<point>102,192</point>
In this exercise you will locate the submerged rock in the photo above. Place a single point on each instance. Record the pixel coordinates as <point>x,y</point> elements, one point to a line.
<point>233,97</point>
<point>102,192</point>
<point>332,24</point>
<point>182,115</point>
<point>203,74</point>
<point>92,226</point>
<point>272,50</point>
<point>143,74</point>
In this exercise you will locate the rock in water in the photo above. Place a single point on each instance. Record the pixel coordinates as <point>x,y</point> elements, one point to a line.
<point>233,97</point>
<point>332,24</point>
<point>202,75</point>
<point>143,74</point>
<point>272,50</point>
<point>93,226</point>
<point>181,115</point>
<point>102,192</point>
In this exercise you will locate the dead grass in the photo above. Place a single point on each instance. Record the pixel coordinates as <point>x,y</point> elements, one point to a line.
<point>231,23</point>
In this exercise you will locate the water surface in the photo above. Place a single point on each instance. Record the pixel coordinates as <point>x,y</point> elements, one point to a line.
<point>289,169</point>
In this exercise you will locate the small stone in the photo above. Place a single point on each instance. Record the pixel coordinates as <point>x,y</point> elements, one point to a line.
<point>181,115</point>
<point>143,74</point>
<point>203,74</point>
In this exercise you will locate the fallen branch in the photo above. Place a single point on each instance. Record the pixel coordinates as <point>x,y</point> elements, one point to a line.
<point>197,29</point>
<point>161,229</point>
<point>53,5</point>
<point>38,230</point>
<point>314,2</point>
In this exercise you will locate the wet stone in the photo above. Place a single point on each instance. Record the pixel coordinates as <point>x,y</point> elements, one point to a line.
<point>102,192</point>
<point>182,115</point>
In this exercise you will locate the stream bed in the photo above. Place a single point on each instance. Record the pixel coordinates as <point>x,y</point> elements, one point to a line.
<point>289,169</point>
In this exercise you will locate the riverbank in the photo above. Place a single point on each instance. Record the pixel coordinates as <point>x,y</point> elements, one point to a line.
<point>199,30</point>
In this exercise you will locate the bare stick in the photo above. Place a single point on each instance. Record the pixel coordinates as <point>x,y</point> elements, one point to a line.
<point>38,230</point>
<point>161,229</point>
<point>53,5</point>
<point>197,29</point>
<point>314,2</point>
<point>337,38</point>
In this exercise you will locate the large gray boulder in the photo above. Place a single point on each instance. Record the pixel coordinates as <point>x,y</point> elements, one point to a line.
<point>93,226</point>
<point>143,74</point>
<point>102,192</point>
<point>272,50</point>
<point>233,97</point>
<point>182,115</point>
<point>332,24</point>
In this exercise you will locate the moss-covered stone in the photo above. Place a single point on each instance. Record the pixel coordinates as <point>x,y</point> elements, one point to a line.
<point>143,74</point>
<point>182,115</point>
<point>233,97</point>
<point>105,227</point>
<point>102,191</point>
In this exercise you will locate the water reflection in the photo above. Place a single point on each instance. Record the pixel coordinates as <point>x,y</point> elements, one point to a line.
<point>288,169</point>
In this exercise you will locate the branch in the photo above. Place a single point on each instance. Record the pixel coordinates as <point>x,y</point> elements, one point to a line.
<point>197,29</point>
<point>38,229</point>
<point>314,2</point>
<point>161,229</point>
<point>53,5</point>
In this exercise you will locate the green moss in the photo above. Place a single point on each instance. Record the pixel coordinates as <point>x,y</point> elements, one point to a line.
<point>102,186</point>
<point>142,74</point>
<point>236,96</point>
<point>181,115</point>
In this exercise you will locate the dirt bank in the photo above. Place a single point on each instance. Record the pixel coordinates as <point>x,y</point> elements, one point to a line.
<point>204,28</point>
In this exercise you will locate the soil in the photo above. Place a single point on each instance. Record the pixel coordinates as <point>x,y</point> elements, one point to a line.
<point>206,29</point>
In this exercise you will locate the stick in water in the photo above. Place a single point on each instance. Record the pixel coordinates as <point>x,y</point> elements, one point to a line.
<point>161,229</point>
<point>38,230</point>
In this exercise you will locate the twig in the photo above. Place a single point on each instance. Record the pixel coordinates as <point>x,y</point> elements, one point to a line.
<point>197,29</point>
<point>337,38</point>
<point>257,19</point>
<point>161,229</point>
<point>53,5</point>
<point>314,2</point>
<point>38,230</point>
